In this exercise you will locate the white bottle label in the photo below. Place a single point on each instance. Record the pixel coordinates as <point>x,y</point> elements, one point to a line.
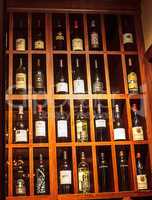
<point>77,44</point>
<point>100,123</point>
<point>94,40</point>
<point>62,87</point>
<point>39,44</point>
<point>79,86</point>
<point>21,136</point>
<point>20,44</point>
<point>62,128</point>
<point>142,182</point>
<point>119,134</point>
<point>127,38</point>
<point>21,81</point>
<point>40,128</point>
<point>137,133</point>
<point>65,177</point>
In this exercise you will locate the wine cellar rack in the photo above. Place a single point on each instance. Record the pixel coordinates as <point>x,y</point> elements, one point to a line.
<point>112,57</point>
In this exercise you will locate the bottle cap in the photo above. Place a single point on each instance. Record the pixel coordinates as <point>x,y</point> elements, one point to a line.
<point>138,155</point>
<point>39,107</point>
<point>117,108</point>
<point>134,107</point>
<point>129,62</point>
<point>121,153</point>
<point>76,23</point>
<point>20,107</point>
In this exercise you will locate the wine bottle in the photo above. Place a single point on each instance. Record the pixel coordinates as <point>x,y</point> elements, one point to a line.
<point>39,86</point>
<point>141,175</point>
<point>59,36</point>
<point>20,37</point>
<point>21,82</point>
<point>81,126</point>
<point>40,177</point>
<point>94,36</point>
<point>62,84</point>
<point>137,129</point>
<point>132,78</point>
<point>38,37</point>
<point>20,131</point>
<point>119,130</point>
<point>40,126</point>
<point>65,175</point>
<point>62,126</point>
<point>20,185</point>
<point>78,81</point>
<point>103,173</point>
<point>123,172</point>
<point>77,41</point>
<point>83,175</point>
<point>128,39</point>
<point>97,83</point>
<point>100,125</point>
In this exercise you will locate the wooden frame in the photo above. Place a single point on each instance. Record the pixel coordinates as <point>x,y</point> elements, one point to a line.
<point>49,8</point>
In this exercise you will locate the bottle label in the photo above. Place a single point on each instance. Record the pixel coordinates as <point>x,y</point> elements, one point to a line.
<point>97,87</point>
<point>62,128</point>
<point>62,87</point>
<point>132,81</point>
<point>82,130</point>
<point>142,182</point>
<point>137,133</point>
<point>77,44</point>
<point>79,86</point>
<point>40,181</point>
<point>39,83</point>
<point>39,44</point>
<point>21,81</point>
<point>21,136</point>
<point>94,40</point>
<point>59,36</point>
<point>65,177</point>
<point>20,187</point>
<point>119,134</point>
<point>40,128</point>
<point>20,44</point>
<point>128,38</point>
<point>100,123</point>
<point>84,180</point>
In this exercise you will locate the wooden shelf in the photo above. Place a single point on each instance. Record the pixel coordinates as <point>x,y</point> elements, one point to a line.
<point>51,98</point>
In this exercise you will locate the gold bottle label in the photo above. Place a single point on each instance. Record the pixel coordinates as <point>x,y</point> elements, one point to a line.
<point>84,180</point>
<point>21,81</point>
<point>142,182</point>
<point>127,38</point>
<point>77,44</point>
<point>59,36</point>
<point>132,81</point>
<point>39,44</point>
<point>94,40</point>
<point>20,44</point>
<point>137,133</point>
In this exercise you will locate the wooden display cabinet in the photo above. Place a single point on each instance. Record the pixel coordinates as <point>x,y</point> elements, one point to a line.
<point>112,56</point>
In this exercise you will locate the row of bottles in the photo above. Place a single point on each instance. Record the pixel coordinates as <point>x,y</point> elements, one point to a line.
<point>82,121</point>
<point>76,32</point>
<point>61,82</point>
<point>84,171</point>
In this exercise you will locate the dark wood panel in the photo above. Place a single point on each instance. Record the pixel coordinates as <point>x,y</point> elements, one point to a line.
<point>74,4</point>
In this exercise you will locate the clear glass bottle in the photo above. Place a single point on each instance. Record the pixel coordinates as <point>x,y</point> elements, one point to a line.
<point>81,126</point>
<point>83,175</point>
